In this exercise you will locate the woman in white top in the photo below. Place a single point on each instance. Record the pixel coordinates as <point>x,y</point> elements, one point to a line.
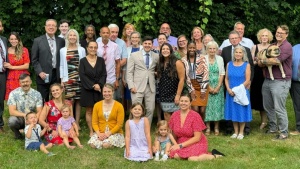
<point>69,69</point>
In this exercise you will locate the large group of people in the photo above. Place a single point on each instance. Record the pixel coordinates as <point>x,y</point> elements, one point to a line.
<point>193,84</point>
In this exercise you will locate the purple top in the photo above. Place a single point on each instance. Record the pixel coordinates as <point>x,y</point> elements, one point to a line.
<point>285,57</point>
<point>171,40</point>
<point>66,124</point>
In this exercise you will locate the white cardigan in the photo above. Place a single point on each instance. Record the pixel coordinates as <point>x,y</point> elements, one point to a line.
<point>220,63</point>
<point>63,67</point>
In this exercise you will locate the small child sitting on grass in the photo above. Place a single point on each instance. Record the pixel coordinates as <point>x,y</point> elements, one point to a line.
<point>66,127</point>
<point>33,133</point>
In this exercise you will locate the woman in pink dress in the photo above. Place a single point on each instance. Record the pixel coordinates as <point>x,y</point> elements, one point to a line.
<point>187,126</point>
<point>18,62</point>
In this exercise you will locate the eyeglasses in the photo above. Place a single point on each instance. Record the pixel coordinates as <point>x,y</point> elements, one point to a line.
<point>234,38</point>
<point>280,33</point>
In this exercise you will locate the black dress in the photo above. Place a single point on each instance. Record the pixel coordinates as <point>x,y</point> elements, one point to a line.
<point>89,76</point>
<point>256,85</point>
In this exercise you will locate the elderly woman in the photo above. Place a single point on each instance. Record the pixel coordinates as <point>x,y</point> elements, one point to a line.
<point>182,46</point>
<point>215,105</point>
<point>107,121</point>
<point>197,34</point>
<point>187,127</point>
<point>92,74</point>
<point>18,64</point>
<point>237,106</point>
<point>69,69</point>
<point>127,30</point>
<point>135,40</point>
<point>171,75</point>
<point>89,35</point>
<point>52,112</point>
<point>198,73</point>
<point>207,38</point>
<point>264,36</point>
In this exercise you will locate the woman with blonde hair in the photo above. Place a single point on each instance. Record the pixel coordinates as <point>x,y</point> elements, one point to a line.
<point>197,35</point>
<point>127,30</point>
<point>264,36</point>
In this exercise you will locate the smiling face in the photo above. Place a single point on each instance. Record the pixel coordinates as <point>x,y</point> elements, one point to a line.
<point>234,39</point>
<point>51,27</point>
<point>264,37</point>
<point>107,93</point>
<point>212,50</point>
<point>105,33</point>
<point>25,84</point>
<point>165,28</point>
<point>163,130</point>
<point>240,28</point>
<point>137,111</point>
<point>238,54</point>
<point>135,39</point>
<point>165,51</point>
<point>56,91</point>
<point>184,103</point>
<point>72,37</point>
<point>147,45</point>
<point>92,48</point>
<point>182,42</point>
<point>191,49</point>
<point>197,34</point>
<point>129,30</point>
<point>114,33</point>
<point>90,33</point>
<point>13,40</point>
<point>64,28</point>
<point>281,35</point>
<point>161,39</point>
<point>206,39</point>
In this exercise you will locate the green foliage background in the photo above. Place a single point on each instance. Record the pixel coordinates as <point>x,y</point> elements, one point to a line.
<point>216,17</point>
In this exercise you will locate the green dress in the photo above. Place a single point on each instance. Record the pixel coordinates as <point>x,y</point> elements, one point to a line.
<point>215,104</point>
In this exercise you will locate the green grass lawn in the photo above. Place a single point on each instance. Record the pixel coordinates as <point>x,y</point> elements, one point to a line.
<point>256,151</point>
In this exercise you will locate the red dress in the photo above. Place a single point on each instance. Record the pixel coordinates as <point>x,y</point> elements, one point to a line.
<point>12,81</point>
<point>193,122</point>
<point>53,116</point>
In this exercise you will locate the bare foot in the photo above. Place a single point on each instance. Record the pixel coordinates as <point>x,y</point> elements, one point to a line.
<point>80,146</point>
<point>71,147</point>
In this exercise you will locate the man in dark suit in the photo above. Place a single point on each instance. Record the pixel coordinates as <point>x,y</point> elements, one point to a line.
<point>3,58</point>
<point>45,58</point>
<point>227,54</point>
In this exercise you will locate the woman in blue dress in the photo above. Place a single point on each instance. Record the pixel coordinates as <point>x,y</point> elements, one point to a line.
<point>237,81</point>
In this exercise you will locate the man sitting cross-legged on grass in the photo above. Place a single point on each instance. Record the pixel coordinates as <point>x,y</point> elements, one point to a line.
<point>33,133</point>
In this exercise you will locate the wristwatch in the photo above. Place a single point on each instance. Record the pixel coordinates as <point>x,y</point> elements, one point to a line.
<point>180,146</point>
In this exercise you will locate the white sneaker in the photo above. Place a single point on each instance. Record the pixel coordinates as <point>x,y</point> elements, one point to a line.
<point>234,136</point>
<point>156,158</point>
<point>240,137</point>
<point>164,158</point>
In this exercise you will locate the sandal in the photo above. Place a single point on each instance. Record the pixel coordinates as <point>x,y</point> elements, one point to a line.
<point>263,125</point>
<point>207,132</point>
<point>217,132</point>
<point>240,137</point>
<point>216,152</point>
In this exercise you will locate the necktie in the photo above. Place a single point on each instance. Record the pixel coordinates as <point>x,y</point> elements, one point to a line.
<point>104,52</point>
<point>52,51</point>
<point>147,60</point>
<point>3,57</point>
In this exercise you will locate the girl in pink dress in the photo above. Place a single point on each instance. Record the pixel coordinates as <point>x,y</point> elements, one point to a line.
<point>187,126</point>
<point>137,137</point>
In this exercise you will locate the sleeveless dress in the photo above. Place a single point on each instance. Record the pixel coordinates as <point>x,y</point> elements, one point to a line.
<point>53,116</point>
<point>72,87</point>
<point>234,111</point>
<point>12,81</point>
<point>193,122</point>
<point>256,85</point>
<point>215,105</point>
<point>138,142</point>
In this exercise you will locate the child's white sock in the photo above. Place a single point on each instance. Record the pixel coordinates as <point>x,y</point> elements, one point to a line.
<point>162,153</point>
<point>164,158</point>
<point>156,156</point>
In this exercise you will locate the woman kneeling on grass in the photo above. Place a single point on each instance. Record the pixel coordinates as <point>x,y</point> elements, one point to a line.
<point>107,121</point>
<point>187,126</point>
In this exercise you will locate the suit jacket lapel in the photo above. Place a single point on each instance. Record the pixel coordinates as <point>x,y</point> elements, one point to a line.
<point>46,44</point>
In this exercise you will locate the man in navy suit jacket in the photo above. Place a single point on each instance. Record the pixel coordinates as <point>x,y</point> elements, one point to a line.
<point>3,43</point>
<point>45,58</point>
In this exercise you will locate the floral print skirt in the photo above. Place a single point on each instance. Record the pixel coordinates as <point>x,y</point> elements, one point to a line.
<point>116,140</point>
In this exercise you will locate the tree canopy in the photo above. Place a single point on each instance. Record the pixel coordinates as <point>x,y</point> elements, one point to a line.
<point>216,17</point>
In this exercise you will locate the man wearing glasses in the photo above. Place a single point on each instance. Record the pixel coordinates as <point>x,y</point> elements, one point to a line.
<point>165,28</point>
<point>276,91</point>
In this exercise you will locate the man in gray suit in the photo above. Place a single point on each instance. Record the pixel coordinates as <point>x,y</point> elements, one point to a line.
<point>3,58</point>
<point>141,67</point>
<point>45,58</point>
